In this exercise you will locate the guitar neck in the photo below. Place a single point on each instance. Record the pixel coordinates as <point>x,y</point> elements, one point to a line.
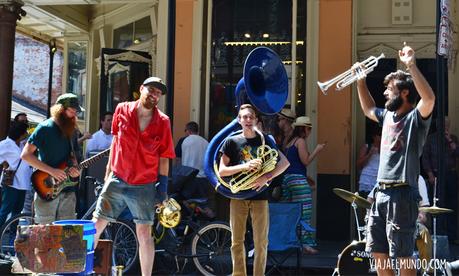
<point>88,162</point>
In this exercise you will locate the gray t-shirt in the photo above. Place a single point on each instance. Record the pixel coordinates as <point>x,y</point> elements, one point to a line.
<point>402,141</point>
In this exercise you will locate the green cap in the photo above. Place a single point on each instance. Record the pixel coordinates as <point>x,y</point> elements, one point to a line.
<point>69,100</point>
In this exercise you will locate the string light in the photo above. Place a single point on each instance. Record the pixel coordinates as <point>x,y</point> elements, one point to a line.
<point>259,43</point>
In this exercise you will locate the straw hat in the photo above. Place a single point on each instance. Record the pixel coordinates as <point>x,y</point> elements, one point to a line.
<point>302,121</point>
<point>287,114</point>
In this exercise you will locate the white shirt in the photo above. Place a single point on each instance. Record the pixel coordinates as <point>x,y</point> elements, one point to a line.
<point>369,173</point>
<point>193,150</point>
<point>422,192</point>
<point>99,142</point>
<point>11,153</point>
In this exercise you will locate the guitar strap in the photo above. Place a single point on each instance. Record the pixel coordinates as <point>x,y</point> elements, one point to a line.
<point>70,163</point>
<point>72,154</point>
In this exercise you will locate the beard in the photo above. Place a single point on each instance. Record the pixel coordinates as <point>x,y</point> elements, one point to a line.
<point>66,124</point>
<point>148,103</point>
<point>394,104</point>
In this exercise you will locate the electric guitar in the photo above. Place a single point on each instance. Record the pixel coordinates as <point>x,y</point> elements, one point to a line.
<point>49,188</point>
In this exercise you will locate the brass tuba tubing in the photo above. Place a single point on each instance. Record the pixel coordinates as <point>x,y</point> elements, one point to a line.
<point>348,77</point>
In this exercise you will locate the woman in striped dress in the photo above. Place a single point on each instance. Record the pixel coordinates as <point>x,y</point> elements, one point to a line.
<point>295,186</point>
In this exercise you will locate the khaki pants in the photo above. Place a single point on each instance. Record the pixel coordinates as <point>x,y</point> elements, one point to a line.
<point>259,212</point>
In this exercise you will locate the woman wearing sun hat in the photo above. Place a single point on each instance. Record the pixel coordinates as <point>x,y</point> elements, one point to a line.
<point>295,187</point>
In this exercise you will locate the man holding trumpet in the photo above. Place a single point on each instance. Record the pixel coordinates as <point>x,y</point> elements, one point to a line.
<point>392,220</point>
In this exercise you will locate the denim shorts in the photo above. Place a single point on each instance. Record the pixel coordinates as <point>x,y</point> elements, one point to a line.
<point>117,195</point>
<point>392,222</point>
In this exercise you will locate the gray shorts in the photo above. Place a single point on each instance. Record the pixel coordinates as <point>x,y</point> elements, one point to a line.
<point>117,195</point>
<point>60,208</point>
<point>392,222</point>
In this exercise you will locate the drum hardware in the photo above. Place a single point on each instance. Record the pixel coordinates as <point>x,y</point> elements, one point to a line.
<point>434,211</point>
<point>354,260</point>
<point>352,198</point>
<point>356,201</point>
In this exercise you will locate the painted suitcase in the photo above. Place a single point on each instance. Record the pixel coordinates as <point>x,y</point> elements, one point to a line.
<point>51,248</point>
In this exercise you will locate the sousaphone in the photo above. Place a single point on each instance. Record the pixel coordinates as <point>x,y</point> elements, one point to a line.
<point>265,86</point>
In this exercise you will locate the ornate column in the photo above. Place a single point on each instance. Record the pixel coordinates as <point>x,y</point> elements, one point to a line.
<point>10,12</point>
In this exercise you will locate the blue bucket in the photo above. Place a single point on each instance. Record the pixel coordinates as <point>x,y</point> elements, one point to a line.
<point>89,230</point>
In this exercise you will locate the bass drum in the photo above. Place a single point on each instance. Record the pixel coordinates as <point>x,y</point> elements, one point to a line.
<point>354,260</point>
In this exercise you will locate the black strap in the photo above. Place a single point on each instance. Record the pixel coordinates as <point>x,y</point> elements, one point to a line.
<point>72,153</point>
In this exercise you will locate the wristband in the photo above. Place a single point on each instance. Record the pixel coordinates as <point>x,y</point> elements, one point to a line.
<point>162,187</point>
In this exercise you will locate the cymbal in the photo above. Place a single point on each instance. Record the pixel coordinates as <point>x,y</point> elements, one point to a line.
<point>434,210</point>
<point>350,197</point>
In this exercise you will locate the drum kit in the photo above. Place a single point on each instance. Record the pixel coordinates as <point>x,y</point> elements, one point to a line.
<point>354,260</point>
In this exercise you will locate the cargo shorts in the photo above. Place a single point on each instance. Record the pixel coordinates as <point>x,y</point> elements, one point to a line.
<point>392,222</point>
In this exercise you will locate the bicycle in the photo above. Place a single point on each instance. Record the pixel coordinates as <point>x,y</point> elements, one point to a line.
<point>207,245</point>
<point>121,232</point>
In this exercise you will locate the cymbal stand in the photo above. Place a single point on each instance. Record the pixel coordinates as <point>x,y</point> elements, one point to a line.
<point>354,207</point>
<point>434,236</point>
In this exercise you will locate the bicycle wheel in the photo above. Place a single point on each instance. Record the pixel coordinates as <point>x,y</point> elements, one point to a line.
<point>125,244</point>
<point>9,230</point>
<point>211,246</point>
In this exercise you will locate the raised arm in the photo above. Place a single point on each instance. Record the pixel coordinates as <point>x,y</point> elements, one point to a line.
<point>366,100</point>
<point>427,102</point>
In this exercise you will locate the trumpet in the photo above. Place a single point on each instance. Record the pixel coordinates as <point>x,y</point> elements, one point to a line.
<point>348,77</point>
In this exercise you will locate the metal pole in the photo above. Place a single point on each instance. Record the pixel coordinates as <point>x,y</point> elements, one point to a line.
<point>52,50</point>
<point>171,61</point>
<point>10,12</point>
<point>440,107</point>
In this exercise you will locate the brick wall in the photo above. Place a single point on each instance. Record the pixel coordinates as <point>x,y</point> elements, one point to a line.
<point>31,73</point>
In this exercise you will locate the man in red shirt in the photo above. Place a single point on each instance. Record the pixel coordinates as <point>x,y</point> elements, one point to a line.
<point>141,148</point>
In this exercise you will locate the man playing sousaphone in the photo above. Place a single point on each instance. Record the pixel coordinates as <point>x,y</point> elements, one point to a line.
<point>238,153</point>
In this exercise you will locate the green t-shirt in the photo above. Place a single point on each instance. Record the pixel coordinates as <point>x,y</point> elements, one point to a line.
<point>53,147</point>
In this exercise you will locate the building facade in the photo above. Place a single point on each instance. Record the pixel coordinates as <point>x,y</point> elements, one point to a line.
<point>199,48</point>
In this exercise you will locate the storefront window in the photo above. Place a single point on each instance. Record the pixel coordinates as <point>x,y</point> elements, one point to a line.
<point>123,36</point>
<point>77,75</point>
<point>132,33</point>
<point>238,27</point>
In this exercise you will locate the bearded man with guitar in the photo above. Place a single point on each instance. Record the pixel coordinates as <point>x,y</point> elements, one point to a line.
<point>51,139</point>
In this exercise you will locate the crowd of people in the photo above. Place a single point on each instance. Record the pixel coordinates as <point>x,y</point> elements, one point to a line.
<point>140,138</point>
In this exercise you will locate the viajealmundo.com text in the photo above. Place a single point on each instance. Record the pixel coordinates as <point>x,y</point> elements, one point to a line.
<point>417,264</point>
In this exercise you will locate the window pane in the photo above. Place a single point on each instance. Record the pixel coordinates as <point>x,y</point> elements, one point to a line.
<point>243,22</point>
<point>142,30</point>
<point>122,37</point>
<point>76,82</point>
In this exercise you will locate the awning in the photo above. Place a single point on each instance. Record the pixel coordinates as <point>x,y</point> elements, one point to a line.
<point>32,115</point>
